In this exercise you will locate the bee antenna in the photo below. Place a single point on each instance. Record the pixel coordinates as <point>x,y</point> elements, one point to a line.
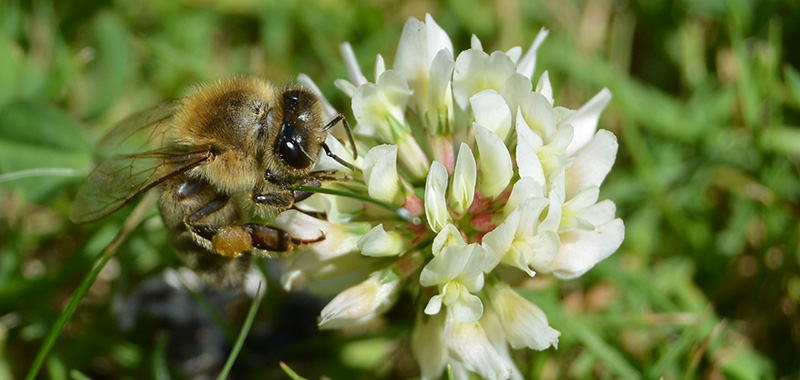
<point>346,126</point>
<point>336,158</point>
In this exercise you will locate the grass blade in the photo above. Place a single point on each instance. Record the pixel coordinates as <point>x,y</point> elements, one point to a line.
<point>130,223</point>
<point>292,374</point>
<point>251,314</point>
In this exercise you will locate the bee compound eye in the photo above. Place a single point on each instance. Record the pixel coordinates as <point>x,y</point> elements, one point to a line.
<point>289,149</point>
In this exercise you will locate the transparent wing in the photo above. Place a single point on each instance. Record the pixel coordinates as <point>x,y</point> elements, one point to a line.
<point>141,131</point>
<point>119,180</point>
<point>144,159</point>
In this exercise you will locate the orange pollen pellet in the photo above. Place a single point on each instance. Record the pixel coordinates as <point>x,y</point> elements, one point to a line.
<point>230,241</point>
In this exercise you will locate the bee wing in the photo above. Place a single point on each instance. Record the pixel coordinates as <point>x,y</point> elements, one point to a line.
<point>123,177</point>
<point>141,130</point>
<point>119,180</point>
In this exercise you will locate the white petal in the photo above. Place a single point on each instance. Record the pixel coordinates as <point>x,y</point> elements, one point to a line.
<point>441,73</point>
<point>434,305</point>
<point>530,212</point>
<point>527,65</point>
<point>544,87</point>
<point>337,209</point>
<point>348,88</point>
<point>494,331</point>
<point>491,111</point>
<point>435,203</point>
<point>411,157</point>
<point>556,198</point>
<point>338,241</point>
<point>324,274</point>
<point>379,243</point>
<point>380,66</point>
<point>584,199</point>
<point>437,37</point>
<point>552,156</point>
<point>600,213</point>
<point>538,113</point>
<point>585,120</point>
<point>516,90</point>
<point>524,323</point>
<point>467,343</point>
<point>373,104</point>
<point>498,241</point>
<point>592,163</point>
<point>468,308</point>
<point>351,63</point>
<point>528,142</point>
<point>419,44</point>
<point>439,110</point>
<point>328,109</point>
<point>562,114</point>
<point>480,261</point>
<point>360,303</point>
<point>449,236</point>
<point>494,162</point>
<point>514,53</point>
<point>581,250</point>
<point>380,173</point>
<point>523,189</point>
<point>444,267</point>
<point>476,71</point>
<point>325,162</point>
<point>427,345</point>
<point>465,175</point>
<point>538,250</point>
<point>475,43</point>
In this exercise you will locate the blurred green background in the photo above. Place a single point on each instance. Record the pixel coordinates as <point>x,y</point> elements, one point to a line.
<point>706,107</point>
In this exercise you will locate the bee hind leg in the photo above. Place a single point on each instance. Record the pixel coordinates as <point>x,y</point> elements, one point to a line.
<point>272,239</point>
<point>231,240</point>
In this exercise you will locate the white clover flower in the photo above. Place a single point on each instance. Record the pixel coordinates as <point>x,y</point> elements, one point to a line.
<point>525,325</point>
<point>458,272</point>
<point>468,345</point>
<point>361,302</point>
<point>380,173</point>
<point>379,243</point>
<point>468,166</point>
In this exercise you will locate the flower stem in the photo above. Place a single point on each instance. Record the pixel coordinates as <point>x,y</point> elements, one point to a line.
<point>401,212</point>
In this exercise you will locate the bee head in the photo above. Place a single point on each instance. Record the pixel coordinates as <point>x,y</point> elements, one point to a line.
<point>301,131</point>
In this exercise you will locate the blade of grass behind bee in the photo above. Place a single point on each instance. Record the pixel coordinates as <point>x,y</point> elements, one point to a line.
<point>251,314</point>
<point>292,374</point>
<point>78,375</point>
<point>130,223</point>
<point>160,369</point>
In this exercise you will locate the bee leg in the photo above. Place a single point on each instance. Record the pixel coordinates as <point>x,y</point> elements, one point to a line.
<point>231,240</point>
<point>273,239</point>
<point>303,195</point>
<point>280,200</point>
<point>315,180</point>
<point>209,208</point>
<point>227,240</point>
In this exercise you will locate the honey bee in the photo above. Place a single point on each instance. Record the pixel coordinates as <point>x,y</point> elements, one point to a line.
<point>228,148</point>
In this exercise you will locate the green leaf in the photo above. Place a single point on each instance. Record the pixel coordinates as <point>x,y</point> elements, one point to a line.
<point>115,65</point>
<point>13,62</point>
<point>40,149</point>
